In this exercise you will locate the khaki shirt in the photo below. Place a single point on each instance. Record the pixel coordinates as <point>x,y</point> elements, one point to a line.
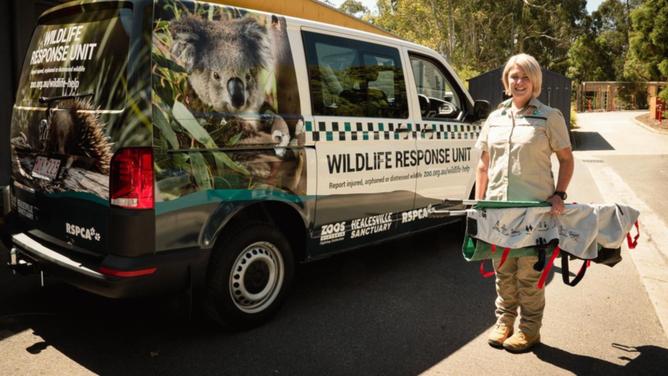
<point>520,147</point>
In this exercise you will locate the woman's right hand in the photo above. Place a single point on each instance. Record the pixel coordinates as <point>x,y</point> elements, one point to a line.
<point>557,205</point>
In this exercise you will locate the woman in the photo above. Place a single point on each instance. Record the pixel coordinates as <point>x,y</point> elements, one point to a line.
<point>517,142</point>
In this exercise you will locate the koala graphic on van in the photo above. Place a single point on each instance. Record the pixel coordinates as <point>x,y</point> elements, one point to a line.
<point>224,60</point>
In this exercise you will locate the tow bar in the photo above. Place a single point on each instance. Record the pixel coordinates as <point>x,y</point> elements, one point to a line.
<point>18,265</point>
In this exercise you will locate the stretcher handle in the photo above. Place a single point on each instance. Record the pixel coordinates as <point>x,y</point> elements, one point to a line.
<point>442,213</point>
<point>438,213</point>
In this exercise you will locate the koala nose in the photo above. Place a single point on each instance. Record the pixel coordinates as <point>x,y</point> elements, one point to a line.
<point>236,89</point>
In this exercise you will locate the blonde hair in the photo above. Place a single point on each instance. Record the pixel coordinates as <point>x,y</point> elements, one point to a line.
<point>530,66</point>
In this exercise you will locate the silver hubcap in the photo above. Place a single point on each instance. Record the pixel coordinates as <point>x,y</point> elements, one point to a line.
<point>256,277</point>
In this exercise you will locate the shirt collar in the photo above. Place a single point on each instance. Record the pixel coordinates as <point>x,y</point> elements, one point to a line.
<point>534,102</point>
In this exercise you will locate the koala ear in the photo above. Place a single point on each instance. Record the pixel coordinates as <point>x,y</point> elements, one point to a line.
<point>252,30</point>
<point>189,34</point>
<point>256,38</point>
<point>278,23</point>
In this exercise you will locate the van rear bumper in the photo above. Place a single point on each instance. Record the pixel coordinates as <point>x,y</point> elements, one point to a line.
<point>123,277</point>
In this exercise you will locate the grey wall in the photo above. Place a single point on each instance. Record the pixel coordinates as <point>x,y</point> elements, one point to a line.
<point>556,91</point>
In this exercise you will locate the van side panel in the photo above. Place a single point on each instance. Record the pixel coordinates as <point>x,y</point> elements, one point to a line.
<point>228,125</point>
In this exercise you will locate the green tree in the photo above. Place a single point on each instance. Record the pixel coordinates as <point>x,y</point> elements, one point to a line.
<point>648,52</point>
<point>588,61</point>
<point>600,53</point>
<point>479,35</point>
<point>353,7</point>
<point>611,24</point>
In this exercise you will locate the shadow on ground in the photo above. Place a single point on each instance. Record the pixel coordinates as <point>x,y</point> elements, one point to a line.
<point>642,360</point>
<point>391,309</point>
<point>395,309</point>
<point>589,141</point>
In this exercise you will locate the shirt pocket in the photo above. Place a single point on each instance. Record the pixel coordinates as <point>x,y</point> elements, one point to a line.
<point>529,131</point>
<point>530,148</point>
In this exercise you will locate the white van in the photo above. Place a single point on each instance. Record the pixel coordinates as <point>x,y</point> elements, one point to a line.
<point>161,145</point>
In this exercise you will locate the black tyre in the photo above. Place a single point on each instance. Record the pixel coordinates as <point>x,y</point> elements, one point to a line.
<point>249,275</point>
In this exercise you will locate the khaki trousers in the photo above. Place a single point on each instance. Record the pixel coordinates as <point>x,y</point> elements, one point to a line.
<point>516,287</point>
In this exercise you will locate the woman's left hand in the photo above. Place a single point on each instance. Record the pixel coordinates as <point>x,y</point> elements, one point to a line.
<point>557,205</point>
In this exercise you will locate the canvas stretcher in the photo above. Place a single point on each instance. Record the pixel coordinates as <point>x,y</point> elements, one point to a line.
<point>590,232</point>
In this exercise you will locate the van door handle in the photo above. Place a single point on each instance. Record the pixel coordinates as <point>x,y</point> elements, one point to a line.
<point>402,129</point>
<point>425,130</point>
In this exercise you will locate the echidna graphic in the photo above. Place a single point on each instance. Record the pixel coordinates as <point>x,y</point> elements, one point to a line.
<point>78,133</point>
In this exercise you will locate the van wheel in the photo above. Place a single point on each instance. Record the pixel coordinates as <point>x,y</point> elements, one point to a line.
<point>249,276</point>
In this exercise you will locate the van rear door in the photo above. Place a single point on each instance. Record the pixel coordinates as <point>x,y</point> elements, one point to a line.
<point>68,119</point>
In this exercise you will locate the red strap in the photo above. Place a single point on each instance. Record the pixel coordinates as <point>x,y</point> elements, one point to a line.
<point>548,267</point>
<point>483,273</point>
<point>633,243</point>
<point>504,256</point>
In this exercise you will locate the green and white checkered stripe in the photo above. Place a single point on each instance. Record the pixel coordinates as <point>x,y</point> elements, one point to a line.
<point>324,131</point>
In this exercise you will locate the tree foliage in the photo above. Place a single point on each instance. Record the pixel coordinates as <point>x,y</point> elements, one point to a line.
<point>353,7</point>
<point>480,35</point>
<point>648,52</point>
<point>623,40</point>
<point>599,54</point>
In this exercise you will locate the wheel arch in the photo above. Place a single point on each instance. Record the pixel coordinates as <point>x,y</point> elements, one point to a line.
<point>288,217</point>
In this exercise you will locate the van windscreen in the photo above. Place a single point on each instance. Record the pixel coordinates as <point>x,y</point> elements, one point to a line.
<point>84,54</point>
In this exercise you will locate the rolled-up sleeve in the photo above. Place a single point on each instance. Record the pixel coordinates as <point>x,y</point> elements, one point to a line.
<point>481,144</point>
<point>557,132</point>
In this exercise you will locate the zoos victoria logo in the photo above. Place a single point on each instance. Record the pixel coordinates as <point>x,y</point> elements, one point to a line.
<point>332,232</point>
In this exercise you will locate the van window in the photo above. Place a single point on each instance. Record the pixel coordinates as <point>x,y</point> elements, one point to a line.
<point>437,95</point>
<point>354,78</point>
<point>83,54</point>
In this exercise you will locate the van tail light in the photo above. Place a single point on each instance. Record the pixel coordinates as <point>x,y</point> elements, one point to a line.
<point>131,179</point>
<point>112,272</point>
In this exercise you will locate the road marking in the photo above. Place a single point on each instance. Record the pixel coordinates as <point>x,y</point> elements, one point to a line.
<point>650,260</point>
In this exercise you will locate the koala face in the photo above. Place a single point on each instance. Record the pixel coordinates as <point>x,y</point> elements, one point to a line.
<point>223,59</point>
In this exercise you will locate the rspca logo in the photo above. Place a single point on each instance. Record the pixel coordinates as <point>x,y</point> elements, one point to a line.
<point>416,214</point>
<point>82,232</point>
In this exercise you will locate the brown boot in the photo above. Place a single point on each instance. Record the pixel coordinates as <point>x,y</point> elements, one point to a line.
<point>499,334</point>
<point>521,342</point>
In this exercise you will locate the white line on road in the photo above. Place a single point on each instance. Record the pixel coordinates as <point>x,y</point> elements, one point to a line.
<point>650,259</point>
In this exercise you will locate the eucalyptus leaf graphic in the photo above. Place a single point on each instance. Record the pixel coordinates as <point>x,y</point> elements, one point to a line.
<point>201,172</point>
<point>164,62</point>
<point>174,183</point>
<point>192,126</point>
<point>235,139</point>
<point>165,128</point>
<point>196,131</point>
<point>227,161</point>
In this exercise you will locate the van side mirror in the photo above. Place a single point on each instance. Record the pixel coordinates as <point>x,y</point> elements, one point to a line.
<point>480,109</point>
